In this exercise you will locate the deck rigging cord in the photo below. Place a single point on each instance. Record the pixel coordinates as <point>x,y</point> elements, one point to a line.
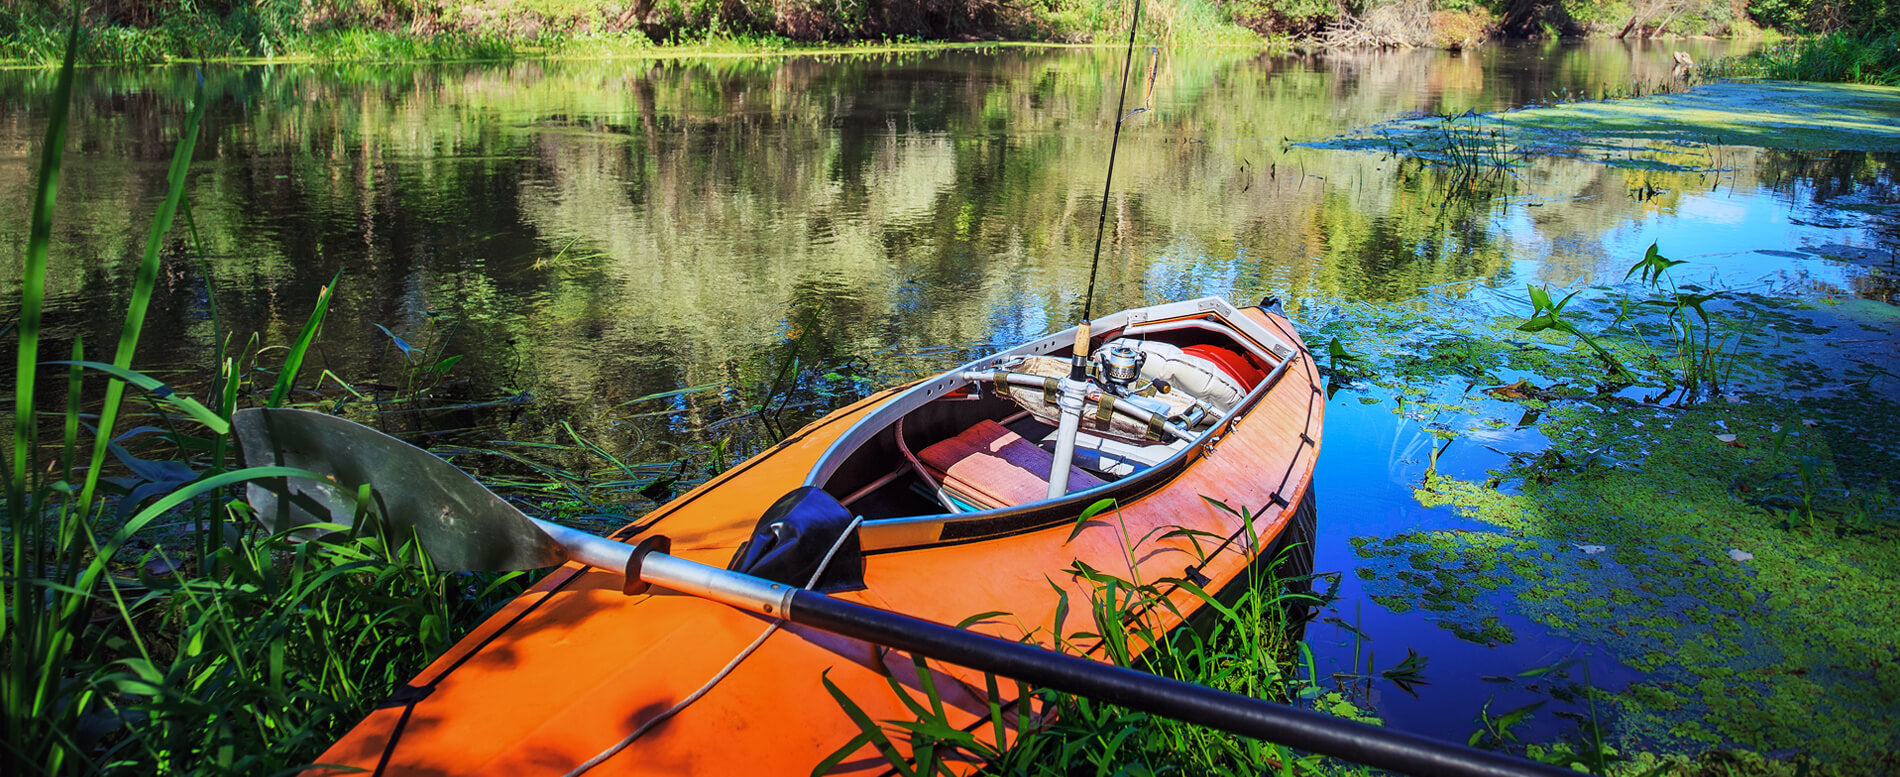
<point>1121,98</point>
<point>743,654</point>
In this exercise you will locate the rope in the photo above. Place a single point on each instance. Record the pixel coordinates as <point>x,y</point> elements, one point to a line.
<point>730,665</point>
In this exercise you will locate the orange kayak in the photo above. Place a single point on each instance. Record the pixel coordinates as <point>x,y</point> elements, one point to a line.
<point>949,481</point>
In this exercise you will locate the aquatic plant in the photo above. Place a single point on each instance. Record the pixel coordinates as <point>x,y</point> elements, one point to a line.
<point>1550,315</point>
<point>1475,148</point>
<point>1701,362</point>
<point>1478,154</point>
<point>1684,550</point>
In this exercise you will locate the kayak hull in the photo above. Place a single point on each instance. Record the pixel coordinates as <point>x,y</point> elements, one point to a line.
<point>564,674</point>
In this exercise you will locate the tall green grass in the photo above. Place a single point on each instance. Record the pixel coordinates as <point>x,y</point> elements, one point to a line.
<point>147,628</point>
<point>1871,57</point>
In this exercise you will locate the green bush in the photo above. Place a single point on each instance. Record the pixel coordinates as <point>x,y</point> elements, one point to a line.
<point>1789,15</point>
<point>1282,16</point>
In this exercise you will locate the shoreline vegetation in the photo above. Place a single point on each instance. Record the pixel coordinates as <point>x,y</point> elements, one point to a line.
<point>1866,58</point>
<point>1850,40</point>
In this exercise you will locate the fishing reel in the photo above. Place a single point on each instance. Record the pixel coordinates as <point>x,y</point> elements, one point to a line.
<point>1120,366</point>
<point>1118,369</point>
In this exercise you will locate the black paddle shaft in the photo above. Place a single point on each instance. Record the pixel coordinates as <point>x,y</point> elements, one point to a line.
<point>1249,717</point>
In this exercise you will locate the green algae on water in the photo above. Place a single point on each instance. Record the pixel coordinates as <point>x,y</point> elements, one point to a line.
<point>1658,132</point>
<point>1741,553</point>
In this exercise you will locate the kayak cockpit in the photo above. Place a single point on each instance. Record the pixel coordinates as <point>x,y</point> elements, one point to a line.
<point>971,452</point>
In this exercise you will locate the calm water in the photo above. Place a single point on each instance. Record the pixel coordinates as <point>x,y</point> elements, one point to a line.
<point>591,233</point>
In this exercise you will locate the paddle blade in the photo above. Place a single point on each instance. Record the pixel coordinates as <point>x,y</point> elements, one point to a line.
<point>460,524</point>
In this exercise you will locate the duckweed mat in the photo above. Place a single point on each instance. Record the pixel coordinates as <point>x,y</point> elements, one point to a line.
<point>1737,549</point>
<point>1666,131</point>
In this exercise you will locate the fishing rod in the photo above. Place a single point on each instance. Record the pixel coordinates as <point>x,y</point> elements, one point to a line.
<point>1121,99</point>
<point>1074,389</point>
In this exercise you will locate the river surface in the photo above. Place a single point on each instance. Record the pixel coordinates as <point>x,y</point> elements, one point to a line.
<point>588,234</point>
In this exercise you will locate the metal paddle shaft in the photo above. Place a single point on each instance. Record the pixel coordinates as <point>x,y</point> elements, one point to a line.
<point>1075,389</point>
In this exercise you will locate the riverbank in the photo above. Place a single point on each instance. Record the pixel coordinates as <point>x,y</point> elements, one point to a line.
<point>383,30</point>
<point>512,29</point>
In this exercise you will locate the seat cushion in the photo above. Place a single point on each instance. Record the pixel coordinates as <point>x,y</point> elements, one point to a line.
<point>990,466</point>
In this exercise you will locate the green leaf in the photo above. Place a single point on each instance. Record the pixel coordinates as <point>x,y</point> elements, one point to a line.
<point>1095,509</point>
<point>32,277</point>
<point>938,730</point>
<point>1062,609</point>
<point>1210,600</point>
<point>408,351</point>
<point>1090,512</point>
<point>294,362</point>
<point>1540,299</point>
<point>144,282</point>
<point>1222,506</point>
<point>979,618</point>
<point>928,681</point>
<point>837,756</point>
<point>1566,300</point>
<point>153,386</point>
<point>1544,670</point>
<point>867,729</point>
<point>994,695</point>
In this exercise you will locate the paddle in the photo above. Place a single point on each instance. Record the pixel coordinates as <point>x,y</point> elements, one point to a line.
<point>463,525</point>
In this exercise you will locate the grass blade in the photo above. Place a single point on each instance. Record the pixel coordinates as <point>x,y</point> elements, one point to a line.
<point>29,631</point>
<point>866,727</point>
<point>105,553</point>
<point>33,280</point>
<point>294,362</point>
<point>158,389</point>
